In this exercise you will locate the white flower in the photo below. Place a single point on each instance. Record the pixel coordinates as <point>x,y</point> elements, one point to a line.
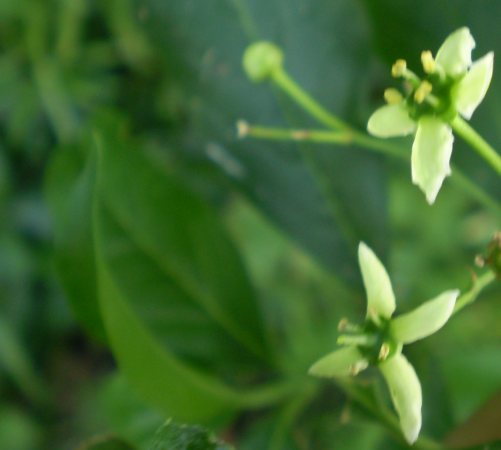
<point>379,341</point>
<point>453,85</point>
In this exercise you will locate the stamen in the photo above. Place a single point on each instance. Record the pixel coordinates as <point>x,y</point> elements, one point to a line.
<point>422,91</point>
<point>428,62</point>
<point>344,325</point>
<point>400,70</point>
<point>393,96</point>
<point>243,129</point>
<point>384,351</point>
<point>399,67</point>
<point>356,368</point>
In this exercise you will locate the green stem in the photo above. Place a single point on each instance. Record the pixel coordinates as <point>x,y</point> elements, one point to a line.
<point>285,134</point>
<point>348,137</point>
<point>302,98</point>
<point>471,295</point>
<point>282,80</point>
<point>477,142</point>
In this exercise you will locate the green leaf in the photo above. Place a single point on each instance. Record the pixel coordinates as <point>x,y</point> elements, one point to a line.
<point>178,307</point>
<point>106,443</point>
<point>313,193</point>
<point>69,190</point>
<point>481,427</point>
<point>163,244</point>
<point>174,436</point>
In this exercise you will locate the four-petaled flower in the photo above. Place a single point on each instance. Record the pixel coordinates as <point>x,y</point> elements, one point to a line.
<point>452,86</point>
<point>380,339</point>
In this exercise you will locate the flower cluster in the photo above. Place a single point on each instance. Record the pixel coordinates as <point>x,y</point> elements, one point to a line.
<point>380,339</point>
<point>452,85</point>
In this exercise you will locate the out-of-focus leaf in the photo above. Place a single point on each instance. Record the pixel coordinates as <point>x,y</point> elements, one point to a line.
<point>173,291</point>
<point>487,446</point>
<point>481,427</point>
<point>70,190</point>
<point>174,436</point>
<point>313,193</point>
<point>15,361</point>
<point>106,443</point>
<point>18,431</point>
<point>473,374</point>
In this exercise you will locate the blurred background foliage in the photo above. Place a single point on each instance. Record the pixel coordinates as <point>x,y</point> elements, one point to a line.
<point>225,264</point>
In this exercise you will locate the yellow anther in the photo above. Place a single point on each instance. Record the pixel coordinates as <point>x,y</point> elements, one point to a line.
<point>428,62</point>
<point>243,129</point>
<point>384,351</point>
<point>356,368</point>
<point>398,69</point>
<point>422,91</point>
<point>342,325</point>
<point>393,96</point>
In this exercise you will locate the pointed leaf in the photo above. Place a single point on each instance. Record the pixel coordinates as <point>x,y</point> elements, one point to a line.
<point>431,154</point>
<point>405,390</point>
<point>472,88</point>
<point>69,191</point>
<point>425,319</point>
<point>281,179</point>
<point>340,363</point>
<point>177,304</point>
<point>380,296</point>
<point>454,56</point>
<point>391,120</point>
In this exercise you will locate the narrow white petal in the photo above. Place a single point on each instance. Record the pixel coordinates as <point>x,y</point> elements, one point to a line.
<point>431,154</point>
<point>472,88</point>
<point>425,319</point>
<point>380,297</point>
<point>390,121</point>
<point>340,363</point>
<point>454,56</point>
<point>405,390</point>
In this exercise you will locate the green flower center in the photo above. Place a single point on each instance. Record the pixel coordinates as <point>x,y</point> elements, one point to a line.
<point>372,339</point>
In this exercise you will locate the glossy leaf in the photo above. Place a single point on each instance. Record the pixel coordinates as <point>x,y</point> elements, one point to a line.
<point>176,300</point>
<point>313,193</point>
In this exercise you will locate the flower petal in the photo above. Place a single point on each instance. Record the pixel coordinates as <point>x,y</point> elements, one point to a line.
<point>454,56</point>
<point>425,319</point>
<point>380,297</point>
<point>431,153</point>
<point>340,363</point>
<point>391,120</point>
<point>406,394</point>
<point>473,86</point>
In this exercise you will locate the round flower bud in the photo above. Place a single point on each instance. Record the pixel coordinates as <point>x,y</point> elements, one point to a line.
<point>261,59</point>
